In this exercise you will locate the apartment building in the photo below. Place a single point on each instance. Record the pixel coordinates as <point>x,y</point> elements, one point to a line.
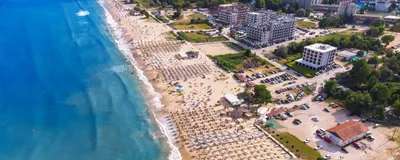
<point>348,8</point>
<point>259,17</point>
<point>232,13</point>
<point>276,28</point>
<point>317,56</point>
<point>325,8</point>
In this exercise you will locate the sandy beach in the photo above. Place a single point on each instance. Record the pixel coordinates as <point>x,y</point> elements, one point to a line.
<point>192,113</point>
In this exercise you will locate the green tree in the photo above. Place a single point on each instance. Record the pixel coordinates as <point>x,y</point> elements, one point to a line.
<point>372,81</point>
<point>214,3</point>
<point>282,52</point>
<point>360,71</point>
<point>378,23</point>
<point>380,93</point>
<point>220,28</point>
<point>379,112</point>
<point>329,85</point>
<point>187,4</point>
<point>300,12</point>
<point>262,95</point>
<point>164,4</point>
<point>308,11</point>
<point>200,4</point>
<point>360,53</point>
<point>387,39</point>
<point>396,108</point>
<point>373,60</point>
<point>247,53</point>
<point>375,31</point>
<point>260,3</point>
<point>385,74</point>
<point>358,102</point>
<point>396,27</point>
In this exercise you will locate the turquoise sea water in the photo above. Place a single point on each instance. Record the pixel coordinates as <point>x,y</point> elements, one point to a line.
<point>65,90</point>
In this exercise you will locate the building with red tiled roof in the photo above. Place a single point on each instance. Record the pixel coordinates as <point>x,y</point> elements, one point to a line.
<point>347,132</point>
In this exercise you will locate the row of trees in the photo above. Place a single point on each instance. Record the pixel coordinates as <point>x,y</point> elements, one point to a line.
<point>374,89</point>
<point>340,41</point>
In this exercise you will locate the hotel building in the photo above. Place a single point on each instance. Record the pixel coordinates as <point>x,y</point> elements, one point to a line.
<point>317,56</point>
<point>268,29</point>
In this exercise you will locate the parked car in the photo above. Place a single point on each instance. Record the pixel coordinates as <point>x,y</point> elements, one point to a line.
<point>371,138</point>
<point>327,157</point>
<point>289,114</point>
<point>356,145</point>
<point>315,119</point>
<point>318,147</point>
<point>297,121</point>
<point>307,140</point>
<point>327,110</point>
<point>335,106</point>
<point>326,139</point>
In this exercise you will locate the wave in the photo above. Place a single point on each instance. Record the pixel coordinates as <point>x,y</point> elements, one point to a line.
<point>155,101</point>
<point>82,13</point>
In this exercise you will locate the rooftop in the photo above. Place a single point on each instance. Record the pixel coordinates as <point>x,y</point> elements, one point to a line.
<point>348,130</point>
<point>392,17</point>
<point>319,47</point>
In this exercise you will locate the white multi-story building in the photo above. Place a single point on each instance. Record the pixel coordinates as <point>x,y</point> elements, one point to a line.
<point>317,56</point>
<point>232,13</point>
<point>272,28</point>
<point>391,19</point>
<point>347,132</point>
<point>348,9</point>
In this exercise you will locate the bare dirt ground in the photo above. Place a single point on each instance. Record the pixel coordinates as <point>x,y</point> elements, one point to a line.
<point>213,49</point>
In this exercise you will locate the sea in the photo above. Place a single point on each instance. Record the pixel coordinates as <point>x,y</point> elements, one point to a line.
<point>66,90</point>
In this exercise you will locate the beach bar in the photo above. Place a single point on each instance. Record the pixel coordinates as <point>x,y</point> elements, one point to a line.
<point>233,100</point>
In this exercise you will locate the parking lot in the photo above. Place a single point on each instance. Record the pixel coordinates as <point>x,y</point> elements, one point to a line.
<point>309,125</point>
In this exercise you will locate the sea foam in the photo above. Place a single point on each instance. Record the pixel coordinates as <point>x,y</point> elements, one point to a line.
<point>155,101</point>
<point>82,13</point>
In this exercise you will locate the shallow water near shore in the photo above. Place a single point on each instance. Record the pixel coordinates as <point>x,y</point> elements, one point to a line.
<point>66,91</point>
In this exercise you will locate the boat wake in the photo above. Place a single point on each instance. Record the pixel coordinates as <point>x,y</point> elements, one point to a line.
<point>82,13</point>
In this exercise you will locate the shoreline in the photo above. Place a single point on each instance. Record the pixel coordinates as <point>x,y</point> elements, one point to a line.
<point>185,95</point>
<point>151,93</point>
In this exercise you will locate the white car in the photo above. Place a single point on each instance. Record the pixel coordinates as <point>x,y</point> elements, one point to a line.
<point>326,157</point>
<point>307,140</point>
<point>318,147</point>
<point>315,119</point>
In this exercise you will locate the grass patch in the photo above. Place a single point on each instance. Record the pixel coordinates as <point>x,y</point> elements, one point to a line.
<point>290,58</point>
<point>305,24</point>
<point>200,36</point>
<point>302,70</point>
<point>184,23</point>
<point>230,61</point>
<point>307,90</point>
<point>234,46</point>
<point>296,146</point>
<point>193,26</point>
<point>144,3</point>
<point>235,61</point>
<point>162,19</point>
<point>334,100</point>
<point>170,36</point>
